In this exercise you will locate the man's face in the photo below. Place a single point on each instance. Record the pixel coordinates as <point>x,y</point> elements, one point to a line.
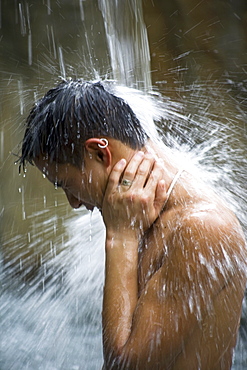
<point>77,184</point>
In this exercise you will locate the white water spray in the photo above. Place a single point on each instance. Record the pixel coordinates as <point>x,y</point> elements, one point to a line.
<point>53,318</point>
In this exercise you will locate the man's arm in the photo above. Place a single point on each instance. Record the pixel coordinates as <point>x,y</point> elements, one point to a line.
<point>127,214</point>
<point>140,333</point>
<point>137,332</point>
<point>198,286</point>
<point>189,310</point>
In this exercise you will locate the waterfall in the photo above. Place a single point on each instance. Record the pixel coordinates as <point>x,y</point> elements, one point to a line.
<point>127,41</point>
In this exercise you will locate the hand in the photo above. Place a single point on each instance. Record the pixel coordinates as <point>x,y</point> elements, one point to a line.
<point>134,207</point>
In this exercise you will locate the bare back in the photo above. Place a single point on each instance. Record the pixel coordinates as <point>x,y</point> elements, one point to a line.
<point>194,285</point>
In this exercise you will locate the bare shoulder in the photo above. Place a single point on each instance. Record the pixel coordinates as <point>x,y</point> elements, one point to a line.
<point>193,277</point>
<point>206,242</point>
<point>206,221</point>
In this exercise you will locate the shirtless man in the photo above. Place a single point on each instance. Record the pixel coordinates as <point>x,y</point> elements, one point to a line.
<point>175,270</point>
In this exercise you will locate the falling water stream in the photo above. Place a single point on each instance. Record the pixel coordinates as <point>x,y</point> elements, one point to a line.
<point>52,257</point>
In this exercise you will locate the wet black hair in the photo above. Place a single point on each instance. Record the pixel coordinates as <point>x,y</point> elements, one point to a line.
<point>72,112</point>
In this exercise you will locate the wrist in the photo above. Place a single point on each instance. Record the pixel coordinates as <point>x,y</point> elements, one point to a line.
<point>123,253</point>
<point>122,243</point>
<point>123,235</point>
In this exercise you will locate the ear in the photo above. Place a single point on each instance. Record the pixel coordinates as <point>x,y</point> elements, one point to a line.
<point>99,150</point>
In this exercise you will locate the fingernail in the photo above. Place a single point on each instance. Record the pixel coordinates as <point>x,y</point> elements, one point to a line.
<point>140,154</point>
<point>149,155</point>
<point>162,183</point>
<point>122,162</point>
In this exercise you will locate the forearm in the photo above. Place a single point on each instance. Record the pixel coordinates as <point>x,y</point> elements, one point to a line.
<point>120,291</point>
<point>128,211</point>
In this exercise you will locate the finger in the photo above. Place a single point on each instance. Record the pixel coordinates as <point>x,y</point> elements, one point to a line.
<point>144,170</point>
<point>154,177</point>
<point>157,200</point>
<point>160,195</point>
<point>115,175</point>
<point>131,168</point>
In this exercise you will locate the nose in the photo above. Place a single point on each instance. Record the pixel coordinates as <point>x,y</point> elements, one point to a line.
<point>73,201</point>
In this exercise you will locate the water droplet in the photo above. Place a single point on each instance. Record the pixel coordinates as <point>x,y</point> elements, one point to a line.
<point>48,7</point>
<point>21,190</point>
<point>90,226</point>
<point>2,146</point>
<point>61,62</point>
<point>21,96</point>
<point>81,10</point>
<point>30,48</point>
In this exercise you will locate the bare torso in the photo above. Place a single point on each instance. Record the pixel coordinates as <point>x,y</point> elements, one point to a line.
<point>192,259</point>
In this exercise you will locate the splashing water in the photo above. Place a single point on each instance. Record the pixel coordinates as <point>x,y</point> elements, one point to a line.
<point>60,310</point>
<point>51,280</point>
<point>127,43</point>
<point>56,323</point>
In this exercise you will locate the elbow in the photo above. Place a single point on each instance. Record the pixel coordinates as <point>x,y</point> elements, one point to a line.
<point>118,359</point>
<point>113,362</point>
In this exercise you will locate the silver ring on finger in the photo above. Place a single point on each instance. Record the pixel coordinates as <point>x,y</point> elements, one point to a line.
<point>126,182</point>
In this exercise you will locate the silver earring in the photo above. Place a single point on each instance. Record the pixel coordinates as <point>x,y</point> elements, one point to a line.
<point>103,146</point>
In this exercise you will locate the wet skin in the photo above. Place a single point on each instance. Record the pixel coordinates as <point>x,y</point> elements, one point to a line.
<point>174,277</point>
<point>73,181</point>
